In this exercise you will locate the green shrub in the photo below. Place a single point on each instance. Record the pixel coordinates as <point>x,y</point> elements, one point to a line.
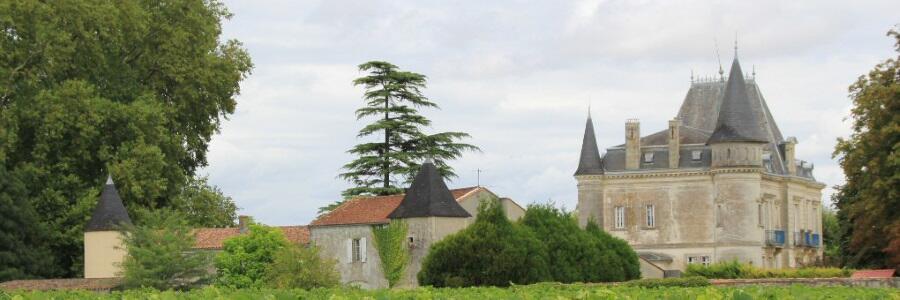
<point>390,241</point>
<point>245,258</point>
<point>622,255</point>
<point>302,267</point>
<point>490,252</point>
<point>160,253</point>
<point>736,270</point>
<point>692,281</point>
<point>580,255</point>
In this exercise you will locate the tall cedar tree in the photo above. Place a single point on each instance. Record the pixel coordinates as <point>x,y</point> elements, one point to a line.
<point>132,88</point>
<point>394,97</point>
<point>869,201</point>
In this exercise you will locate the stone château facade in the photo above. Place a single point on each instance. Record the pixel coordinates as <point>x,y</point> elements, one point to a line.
<point>721,183</point>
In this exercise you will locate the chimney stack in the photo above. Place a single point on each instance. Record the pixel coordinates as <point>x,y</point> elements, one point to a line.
<point>789,155</point>
<point>243,224</point>
<point>674,142</point>
<point>632,144</point>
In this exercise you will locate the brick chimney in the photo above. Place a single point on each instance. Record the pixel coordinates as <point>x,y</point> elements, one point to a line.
<point>632,144</point>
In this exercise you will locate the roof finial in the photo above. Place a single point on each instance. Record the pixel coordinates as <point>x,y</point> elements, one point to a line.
<point>692,76</point>
<point>735,45</point>
<point>719,59</point>
<point>589,107</point>
<point>109,179</point>
<point>754,71</point>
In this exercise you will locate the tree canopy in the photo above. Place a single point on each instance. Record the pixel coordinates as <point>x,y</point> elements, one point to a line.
<point>869,202</point>
<point>161,255</point>
<point>394,97</point>
<point>134,88</point>
<point>245,259</point>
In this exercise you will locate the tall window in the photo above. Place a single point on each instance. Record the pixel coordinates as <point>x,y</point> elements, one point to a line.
<point>620,217</point>
<point>357,253</point>
<point>651,216</point>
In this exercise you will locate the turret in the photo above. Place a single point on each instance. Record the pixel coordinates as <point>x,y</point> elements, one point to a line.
<point>590,183</point>
<point>739,136</point>
<point>632,144</point>
<point>104,250</point>
<point>589,161</point>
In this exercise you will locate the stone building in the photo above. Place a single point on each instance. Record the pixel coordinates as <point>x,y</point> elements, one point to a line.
<point>720,183</point>
<point>429,208</point>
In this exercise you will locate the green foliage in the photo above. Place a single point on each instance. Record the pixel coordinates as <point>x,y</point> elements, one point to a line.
<point>579,255</point>
<point>490,252</point>
<point>692,281</point>
<point>160,253</point>
<point>394,97</point>
<point>625,255</point>
<point>867,203</point>
<point>205,205</point>
<point>134,88</point>
<point>536,291</point>
<point>831,237</point>
<point>301,267</point>
<point>23,239</point>
<point>245,258</point>
<point>736,270</point>
<point>390,240</point>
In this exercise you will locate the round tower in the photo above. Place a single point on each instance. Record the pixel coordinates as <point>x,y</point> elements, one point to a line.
<point>103,247</point>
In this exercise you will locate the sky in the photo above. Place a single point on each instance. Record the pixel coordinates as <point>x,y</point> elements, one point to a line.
<point>519,77</point>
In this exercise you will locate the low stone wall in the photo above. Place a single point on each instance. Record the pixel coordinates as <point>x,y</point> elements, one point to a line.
<point>860,282</point>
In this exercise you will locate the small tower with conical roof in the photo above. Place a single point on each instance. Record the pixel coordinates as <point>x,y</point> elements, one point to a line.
<point>103,247</point>
<point>589,177</point>
<point>431,212</point>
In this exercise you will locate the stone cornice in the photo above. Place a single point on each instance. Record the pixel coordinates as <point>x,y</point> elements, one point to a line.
<point>794,179</point>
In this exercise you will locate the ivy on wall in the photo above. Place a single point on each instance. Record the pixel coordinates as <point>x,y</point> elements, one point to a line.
<point>390,241</point>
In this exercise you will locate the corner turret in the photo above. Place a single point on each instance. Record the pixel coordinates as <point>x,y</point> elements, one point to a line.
<point>103,247</point>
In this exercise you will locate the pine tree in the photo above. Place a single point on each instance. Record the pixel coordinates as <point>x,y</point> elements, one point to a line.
<point>394,97</point>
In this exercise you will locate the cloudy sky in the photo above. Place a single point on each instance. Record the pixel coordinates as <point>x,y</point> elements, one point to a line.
<point>518,76</point>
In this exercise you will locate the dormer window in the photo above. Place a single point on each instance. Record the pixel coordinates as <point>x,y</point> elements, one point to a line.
<point>648,157</point>
<point>696,155</point>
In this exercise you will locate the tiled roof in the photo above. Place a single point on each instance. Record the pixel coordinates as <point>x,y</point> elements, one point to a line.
<point>372,210</point>
<point>93,284</point>
<point>884,273</point>
<point>214,238</point>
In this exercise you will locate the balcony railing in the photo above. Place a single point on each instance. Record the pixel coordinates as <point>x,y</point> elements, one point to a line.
<point>775,238</point>
<point>806,239</point>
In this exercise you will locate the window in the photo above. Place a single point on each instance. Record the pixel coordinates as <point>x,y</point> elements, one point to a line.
<point>696,154</point>
<point>699,259</point>
<point>411,242</point>
<point>761,217</point>
<point>620,217</point>
<point>648,157</point>
<point>357,255</point>
<point>356,250</point>
<point>651,217</point>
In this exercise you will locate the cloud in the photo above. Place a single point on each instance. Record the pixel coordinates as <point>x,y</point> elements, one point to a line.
<point>518,76</point>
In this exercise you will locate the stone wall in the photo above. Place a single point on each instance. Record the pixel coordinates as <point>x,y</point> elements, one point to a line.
<point>333,243</point>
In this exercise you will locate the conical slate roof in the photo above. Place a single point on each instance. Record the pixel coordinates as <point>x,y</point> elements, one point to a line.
<point>428,197</point>
<point>110,212</point>
<point>738,120</point>
<point>590,162</point>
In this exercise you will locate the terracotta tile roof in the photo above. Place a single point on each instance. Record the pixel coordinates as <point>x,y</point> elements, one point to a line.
<point>372,210</point>
<point>884,273</point>
<point>214,238</point>
<point>93,284</point>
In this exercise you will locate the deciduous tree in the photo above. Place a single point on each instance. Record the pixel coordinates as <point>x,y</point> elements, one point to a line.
<point>869,201</point>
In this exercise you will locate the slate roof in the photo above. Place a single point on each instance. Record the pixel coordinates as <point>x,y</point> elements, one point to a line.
<point>428,196</point>
<point>590,162</point>
<point>738,121</point>
<point>374,210</point>
<point>699,114</point>
<point>214,238</point>
<point>110,212</point>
